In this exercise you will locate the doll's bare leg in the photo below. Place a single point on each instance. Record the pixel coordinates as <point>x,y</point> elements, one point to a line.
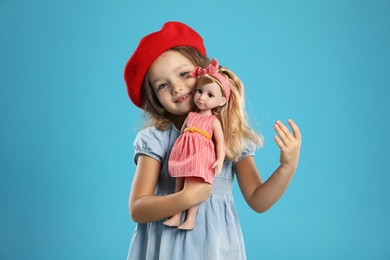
<point>174,221</point>
<point>190,218</point>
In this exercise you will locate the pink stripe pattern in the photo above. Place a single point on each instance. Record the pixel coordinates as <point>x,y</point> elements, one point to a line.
<point>193,154</point>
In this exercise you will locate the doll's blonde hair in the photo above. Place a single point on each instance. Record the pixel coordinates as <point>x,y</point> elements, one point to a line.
<point>232,116</point>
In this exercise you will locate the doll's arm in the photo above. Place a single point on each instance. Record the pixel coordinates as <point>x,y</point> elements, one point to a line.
<point>184,125</point>
<point>261,196</point>
<point>146,207</point>
<point>219,146</point>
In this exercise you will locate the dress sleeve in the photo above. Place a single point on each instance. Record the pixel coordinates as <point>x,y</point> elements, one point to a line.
<point>249,150</point>
<point>149,141</point>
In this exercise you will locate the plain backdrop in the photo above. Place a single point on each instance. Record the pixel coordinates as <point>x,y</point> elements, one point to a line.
<point>67,125</point>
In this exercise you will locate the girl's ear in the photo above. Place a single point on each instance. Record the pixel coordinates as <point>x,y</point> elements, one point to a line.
<point>223,101</point>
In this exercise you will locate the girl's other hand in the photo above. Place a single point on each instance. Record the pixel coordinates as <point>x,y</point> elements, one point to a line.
<point>196,190</point>
<point>289,144</point>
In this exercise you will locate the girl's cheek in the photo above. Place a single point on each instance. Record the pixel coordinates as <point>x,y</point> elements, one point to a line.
<point>191,105</point>
<point>192,82</point>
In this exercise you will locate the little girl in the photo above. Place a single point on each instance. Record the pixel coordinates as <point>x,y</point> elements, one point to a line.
<point>157,80</point>
<point>193,153</point>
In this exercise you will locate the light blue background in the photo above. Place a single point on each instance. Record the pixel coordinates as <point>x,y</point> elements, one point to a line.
<point>67,125</point>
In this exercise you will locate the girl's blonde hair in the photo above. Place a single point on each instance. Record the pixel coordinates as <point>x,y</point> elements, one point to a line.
<point>232,116</point>
<point>157,115</point>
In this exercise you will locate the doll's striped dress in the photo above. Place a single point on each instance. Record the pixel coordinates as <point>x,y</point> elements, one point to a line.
<point>193,153</point>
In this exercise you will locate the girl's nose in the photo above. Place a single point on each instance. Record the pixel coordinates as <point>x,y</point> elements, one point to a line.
<point>176,88</point>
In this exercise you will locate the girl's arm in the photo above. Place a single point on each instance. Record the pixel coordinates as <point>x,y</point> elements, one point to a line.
<point>219,146</point>
<point>261,196</point>
<point>146,207</point>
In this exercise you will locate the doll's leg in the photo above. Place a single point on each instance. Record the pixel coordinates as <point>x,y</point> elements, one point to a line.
<point>174,221</point>
<point>190,218</point>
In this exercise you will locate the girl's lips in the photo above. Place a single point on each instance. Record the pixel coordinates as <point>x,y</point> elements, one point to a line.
<point>183,98</point>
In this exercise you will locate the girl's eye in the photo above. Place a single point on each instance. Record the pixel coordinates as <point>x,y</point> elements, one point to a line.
<point>184,74</point>
<point>162,85</point>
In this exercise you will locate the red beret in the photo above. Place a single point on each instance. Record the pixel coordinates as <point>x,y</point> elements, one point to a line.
<point>172,34</point>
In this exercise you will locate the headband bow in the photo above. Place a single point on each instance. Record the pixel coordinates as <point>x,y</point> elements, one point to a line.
<point>212,70</point>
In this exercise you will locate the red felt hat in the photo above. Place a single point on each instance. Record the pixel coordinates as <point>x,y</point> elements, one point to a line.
<point>172,34</point>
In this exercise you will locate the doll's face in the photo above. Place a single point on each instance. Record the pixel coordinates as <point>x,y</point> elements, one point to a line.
<point>209,96</point>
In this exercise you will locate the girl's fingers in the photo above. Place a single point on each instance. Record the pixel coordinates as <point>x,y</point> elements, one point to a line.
<point>285,130</point>
<point>281,130</point>
<point>294,127</point>
<point>279,142</point>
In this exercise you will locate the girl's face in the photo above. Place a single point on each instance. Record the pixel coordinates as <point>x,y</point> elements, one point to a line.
<point>209,96</point>
<point>168,76</point>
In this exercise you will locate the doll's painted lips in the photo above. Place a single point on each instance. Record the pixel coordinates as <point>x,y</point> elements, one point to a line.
<point>182,98</point>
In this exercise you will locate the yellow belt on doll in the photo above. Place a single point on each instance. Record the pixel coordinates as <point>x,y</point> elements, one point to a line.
<point>197,130</point>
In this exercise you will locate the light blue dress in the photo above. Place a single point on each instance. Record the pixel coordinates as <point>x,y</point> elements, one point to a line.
<point>217,234</point>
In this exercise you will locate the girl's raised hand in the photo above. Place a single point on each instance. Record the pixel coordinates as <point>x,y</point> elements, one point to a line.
<point>289,144</point>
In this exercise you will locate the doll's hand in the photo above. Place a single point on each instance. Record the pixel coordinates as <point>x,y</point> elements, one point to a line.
<point>289,144</point>
<point>217,166</point>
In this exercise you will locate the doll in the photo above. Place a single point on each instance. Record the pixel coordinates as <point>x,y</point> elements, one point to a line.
<point>199,151</point>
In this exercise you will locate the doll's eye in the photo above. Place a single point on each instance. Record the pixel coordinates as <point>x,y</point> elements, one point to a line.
<point>199,91</point>
<point>210,95</point>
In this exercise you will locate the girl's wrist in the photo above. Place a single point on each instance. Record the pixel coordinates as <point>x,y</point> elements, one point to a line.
<point>196,193</point>
<point>185,198</point>
<point>287,169</point>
